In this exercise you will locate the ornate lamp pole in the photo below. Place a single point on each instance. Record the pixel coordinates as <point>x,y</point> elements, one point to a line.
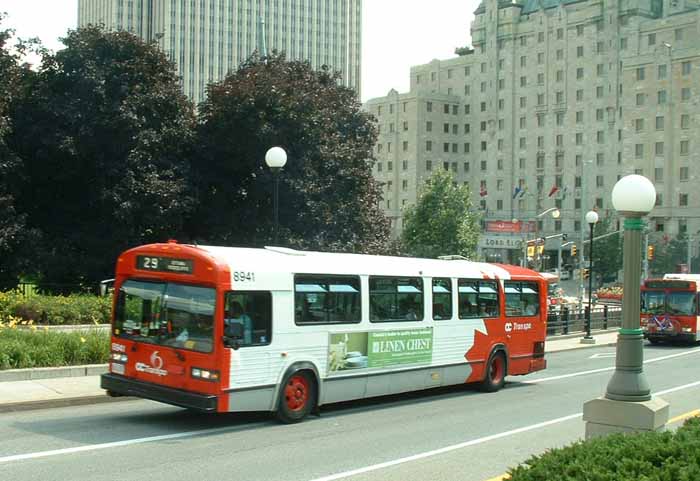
<point>627,404</point>
<point>591,218</point>
<point>276,158</point>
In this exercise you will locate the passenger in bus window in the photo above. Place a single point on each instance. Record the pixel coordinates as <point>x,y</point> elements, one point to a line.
<point>236,315</point>
<point>528,309</point>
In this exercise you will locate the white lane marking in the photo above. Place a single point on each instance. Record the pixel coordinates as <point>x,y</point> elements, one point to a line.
<point>473,442</point>
<point>165,437</point>
<point>446,449</point>
<point>127,442</point>
<point>601,355</point>
<point>611,368</point>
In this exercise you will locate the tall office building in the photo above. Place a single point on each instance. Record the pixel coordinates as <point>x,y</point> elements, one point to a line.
<point>555,101</point>
<point>208,38</point>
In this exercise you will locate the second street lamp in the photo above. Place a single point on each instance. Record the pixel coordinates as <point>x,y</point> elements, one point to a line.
<point>276,158</point>
<point>591,218</point>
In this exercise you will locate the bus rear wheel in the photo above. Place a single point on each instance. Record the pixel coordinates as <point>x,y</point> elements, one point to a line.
<point>495,376</point>
<point>297,397</point>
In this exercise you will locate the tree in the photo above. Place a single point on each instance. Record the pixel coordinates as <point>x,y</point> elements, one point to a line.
<point>607,252</point>
<point>13,230</point>
<point>443,220</point>
<point>104,134</point>
<point>328,197</point>
<point>668,254</point>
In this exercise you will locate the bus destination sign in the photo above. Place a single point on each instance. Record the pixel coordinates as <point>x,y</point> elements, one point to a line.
<point>165,264</point>
<point>667,284</point>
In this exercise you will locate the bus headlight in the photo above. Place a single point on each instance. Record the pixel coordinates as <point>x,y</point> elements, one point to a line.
<point>205,374</point>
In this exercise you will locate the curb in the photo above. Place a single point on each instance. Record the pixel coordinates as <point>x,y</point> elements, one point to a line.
<point>31,374</point>
<point>61,402</point>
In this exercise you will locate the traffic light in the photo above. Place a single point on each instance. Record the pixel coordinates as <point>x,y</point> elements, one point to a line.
<point>586,273</point>
<point>573,250</point>
<point>650,253</point>
<point>531,249</point>
<point>540,249</point>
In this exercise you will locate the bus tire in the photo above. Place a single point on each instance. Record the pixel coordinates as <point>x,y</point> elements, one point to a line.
<point>495,376</point>
<point>297,397</point>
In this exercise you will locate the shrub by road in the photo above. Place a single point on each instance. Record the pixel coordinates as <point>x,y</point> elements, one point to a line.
<point>55,310</point>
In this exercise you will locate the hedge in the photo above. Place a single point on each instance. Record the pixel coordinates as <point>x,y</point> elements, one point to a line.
<point>26,348</point>
<point>654,456</point>
<point>55,310</point>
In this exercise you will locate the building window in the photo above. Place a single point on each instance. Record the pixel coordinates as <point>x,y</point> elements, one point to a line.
<point>659,122</point>
<point>640,99</point>
<point>428,165</point>
<point>579,51</point>
<point>579,73</point>
<point>429,106</point>
<point>579,95</point>
<point>428,145</point>
<point>405,146</point>
<point>638,151</point>
<point>685,147</point>
<point>661,97</point>
<point>686,67</point>
<point>640,73</point>
<point>685,94</point>
<point>659,148</point>
<point>683,200</point>
<point>428,126</point>
<point>684,174</point>
<point>579,138</point>
<point>651,39</point>
<point>404,165</point>
<point>685,121</point>
<point>661,74</point>
<point>659,174</point>
<point>623,43</point>
<point>639,125</point>
<point>600,69</point>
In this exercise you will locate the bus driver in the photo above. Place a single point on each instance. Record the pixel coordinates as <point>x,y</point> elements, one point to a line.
<point>236,315</point>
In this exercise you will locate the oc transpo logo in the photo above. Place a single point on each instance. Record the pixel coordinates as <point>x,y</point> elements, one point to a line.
<point>156,366</point>
<point>518,326</point>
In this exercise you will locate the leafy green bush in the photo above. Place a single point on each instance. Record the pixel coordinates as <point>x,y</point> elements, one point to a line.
<point>24,348</point>
<point>658,456</point>
<point>55,310</point>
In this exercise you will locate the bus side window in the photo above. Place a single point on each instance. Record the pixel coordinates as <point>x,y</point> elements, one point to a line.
<point>253,310</point>
<point>326,299</point>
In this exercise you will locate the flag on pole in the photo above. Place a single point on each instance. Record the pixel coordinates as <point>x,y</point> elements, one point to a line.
<point>554,190</point>
<point>523,191</point>
<point>483,192</point>
<point>516,191</point>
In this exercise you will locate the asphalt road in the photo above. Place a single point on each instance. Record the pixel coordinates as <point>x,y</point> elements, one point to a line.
<point>448,434</point>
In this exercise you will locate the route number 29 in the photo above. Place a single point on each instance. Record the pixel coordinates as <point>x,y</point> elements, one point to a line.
<point>242,276</point>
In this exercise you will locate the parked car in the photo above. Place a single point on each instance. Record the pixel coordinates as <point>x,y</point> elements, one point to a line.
<point>564,276</point>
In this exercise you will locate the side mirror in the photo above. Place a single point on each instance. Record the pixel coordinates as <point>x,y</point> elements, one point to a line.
<point>233,334</point>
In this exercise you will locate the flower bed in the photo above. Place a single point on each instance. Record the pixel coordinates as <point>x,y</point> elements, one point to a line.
<point>55,310</point>
<point>41,347</point>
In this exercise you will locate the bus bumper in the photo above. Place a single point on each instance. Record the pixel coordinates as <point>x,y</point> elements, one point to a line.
<point>675,337</point>
<point>538,364</point>
<point>130,387</point>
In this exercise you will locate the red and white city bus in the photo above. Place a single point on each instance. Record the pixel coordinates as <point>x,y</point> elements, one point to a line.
<point>220,329</point>
<point>669,310</point>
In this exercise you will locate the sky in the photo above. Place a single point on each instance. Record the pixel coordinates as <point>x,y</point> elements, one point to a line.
<point>396,34</point>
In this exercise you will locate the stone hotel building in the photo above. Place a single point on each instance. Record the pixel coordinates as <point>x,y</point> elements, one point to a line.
<point>554,102</point>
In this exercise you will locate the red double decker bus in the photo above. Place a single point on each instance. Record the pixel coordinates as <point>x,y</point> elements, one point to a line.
<point>669,310</point>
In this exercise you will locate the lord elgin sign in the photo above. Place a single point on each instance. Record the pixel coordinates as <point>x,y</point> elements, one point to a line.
<point>501,242</point>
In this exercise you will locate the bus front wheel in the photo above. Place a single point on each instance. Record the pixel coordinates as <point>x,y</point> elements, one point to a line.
<point>495,376</point>
<point>297,397</point>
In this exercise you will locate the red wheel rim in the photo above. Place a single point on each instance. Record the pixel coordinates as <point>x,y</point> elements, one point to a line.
<point>497,369</point>
<point>296,393</point>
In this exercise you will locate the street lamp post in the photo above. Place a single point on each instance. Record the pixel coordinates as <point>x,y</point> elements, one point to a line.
<point>276,158</point>
<point>591,218</point>
<point>627,404</point>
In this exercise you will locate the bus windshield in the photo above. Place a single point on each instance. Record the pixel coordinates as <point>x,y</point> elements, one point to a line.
<point>679,303</point>
<point>168,314</point>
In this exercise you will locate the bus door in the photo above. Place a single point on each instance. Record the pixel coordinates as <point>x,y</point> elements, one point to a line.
<point>250,348</point>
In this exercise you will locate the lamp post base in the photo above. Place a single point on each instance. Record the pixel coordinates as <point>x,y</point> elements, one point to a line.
<point>588,340</point>
<point>605,416</point>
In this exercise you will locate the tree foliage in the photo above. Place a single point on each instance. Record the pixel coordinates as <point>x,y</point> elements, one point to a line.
<point>668,254</point>
<point>443,221</point>
<point>328,197</point>
<point>104,134</point>
<point>13,229</point>
<point>607,252</point>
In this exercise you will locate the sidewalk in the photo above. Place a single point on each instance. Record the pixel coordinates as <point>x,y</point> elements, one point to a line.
<point>80,390</point>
